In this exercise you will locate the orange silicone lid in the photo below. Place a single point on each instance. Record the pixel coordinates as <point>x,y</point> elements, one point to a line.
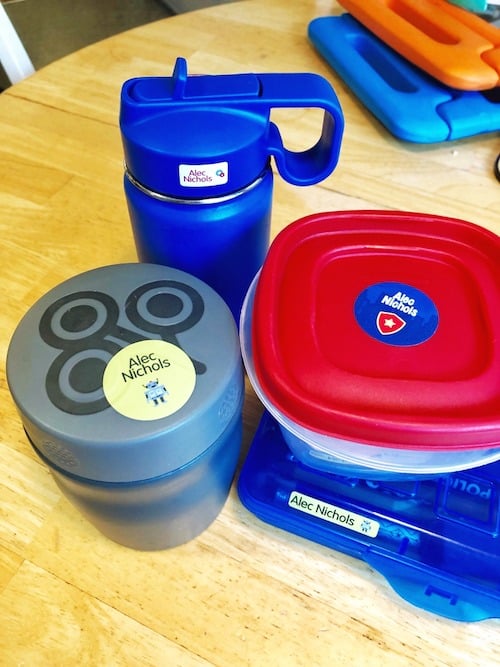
<point>453,45</point>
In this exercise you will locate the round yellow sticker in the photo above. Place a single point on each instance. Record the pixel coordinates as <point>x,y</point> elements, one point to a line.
<point>148,380</point>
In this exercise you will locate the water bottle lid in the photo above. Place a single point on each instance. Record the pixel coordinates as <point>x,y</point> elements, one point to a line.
<point>207,136</point>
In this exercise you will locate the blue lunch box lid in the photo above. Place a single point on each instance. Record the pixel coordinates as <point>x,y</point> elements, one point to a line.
<point>126,372</point>
<point>428,111</point>
<point>436,540</point>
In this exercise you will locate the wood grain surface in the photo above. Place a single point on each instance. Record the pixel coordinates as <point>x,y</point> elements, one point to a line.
<point>243,593</point>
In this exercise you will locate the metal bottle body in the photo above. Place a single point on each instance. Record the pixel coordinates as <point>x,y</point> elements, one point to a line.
<point>221,240</point>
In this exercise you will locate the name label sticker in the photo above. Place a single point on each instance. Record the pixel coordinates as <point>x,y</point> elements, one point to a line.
<point>333,514</point>
<point>396,314</point>
<point>149,379</point>
<point>204,175</point>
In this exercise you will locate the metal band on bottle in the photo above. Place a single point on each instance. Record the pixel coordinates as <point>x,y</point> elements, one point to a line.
<point>207,200</point>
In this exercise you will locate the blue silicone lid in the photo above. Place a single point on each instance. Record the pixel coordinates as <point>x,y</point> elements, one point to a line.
<point>436,541</point>
<point>211,135</point>
<point>428,111</point>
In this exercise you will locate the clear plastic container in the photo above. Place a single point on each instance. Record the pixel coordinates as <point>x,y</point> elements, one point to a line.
<point>348,457</point>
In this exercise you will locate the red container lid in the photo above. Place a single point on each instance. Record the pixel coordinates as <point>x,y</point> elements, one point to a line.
<point>383,328</point>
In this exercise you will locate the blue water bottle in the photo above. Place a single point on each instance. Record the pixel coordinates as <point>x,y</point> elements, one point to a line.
<point>198,178</point>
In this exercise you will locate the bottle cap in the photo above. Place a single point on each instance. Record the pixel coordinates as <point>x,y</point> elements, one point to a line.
<point>206,136</point>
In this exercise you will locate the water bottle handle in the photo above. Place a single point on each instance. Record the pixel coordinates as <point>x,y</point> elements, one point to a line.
<point>304,90</point>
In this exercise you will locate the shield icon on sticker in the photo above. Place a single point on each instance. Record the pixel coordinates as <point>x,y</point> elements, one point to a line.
<point>389,323</point>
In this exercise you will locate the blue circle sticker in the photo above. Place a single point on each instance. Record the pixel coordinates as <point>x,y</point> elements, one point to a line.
<point>396,314</point>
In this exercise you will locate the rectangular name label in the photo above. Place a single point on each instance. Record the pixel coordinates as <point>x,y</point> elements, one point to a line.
<point>204,175</point>
<point>333,514</point>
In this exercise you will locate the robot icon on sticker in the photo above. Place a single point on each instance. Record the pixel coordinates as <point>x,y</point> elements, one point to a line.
<point>155,392</point>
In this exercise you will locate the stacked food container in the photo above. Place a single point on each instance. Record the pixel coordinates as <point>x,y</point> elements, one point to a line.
<point>373,341</point>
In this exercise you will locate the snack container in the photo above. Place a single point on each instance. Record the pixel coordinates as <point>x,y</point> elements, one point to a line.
<point>129,384</point>
<point>372,338</point>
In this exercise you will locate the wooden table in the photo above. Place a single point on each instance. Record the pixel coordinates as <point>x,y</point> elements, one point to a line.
<point>243,593</point>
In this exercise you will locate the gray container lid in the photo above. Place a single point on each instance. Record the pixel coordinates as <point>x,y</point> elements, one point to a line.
<point>126,372</point>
